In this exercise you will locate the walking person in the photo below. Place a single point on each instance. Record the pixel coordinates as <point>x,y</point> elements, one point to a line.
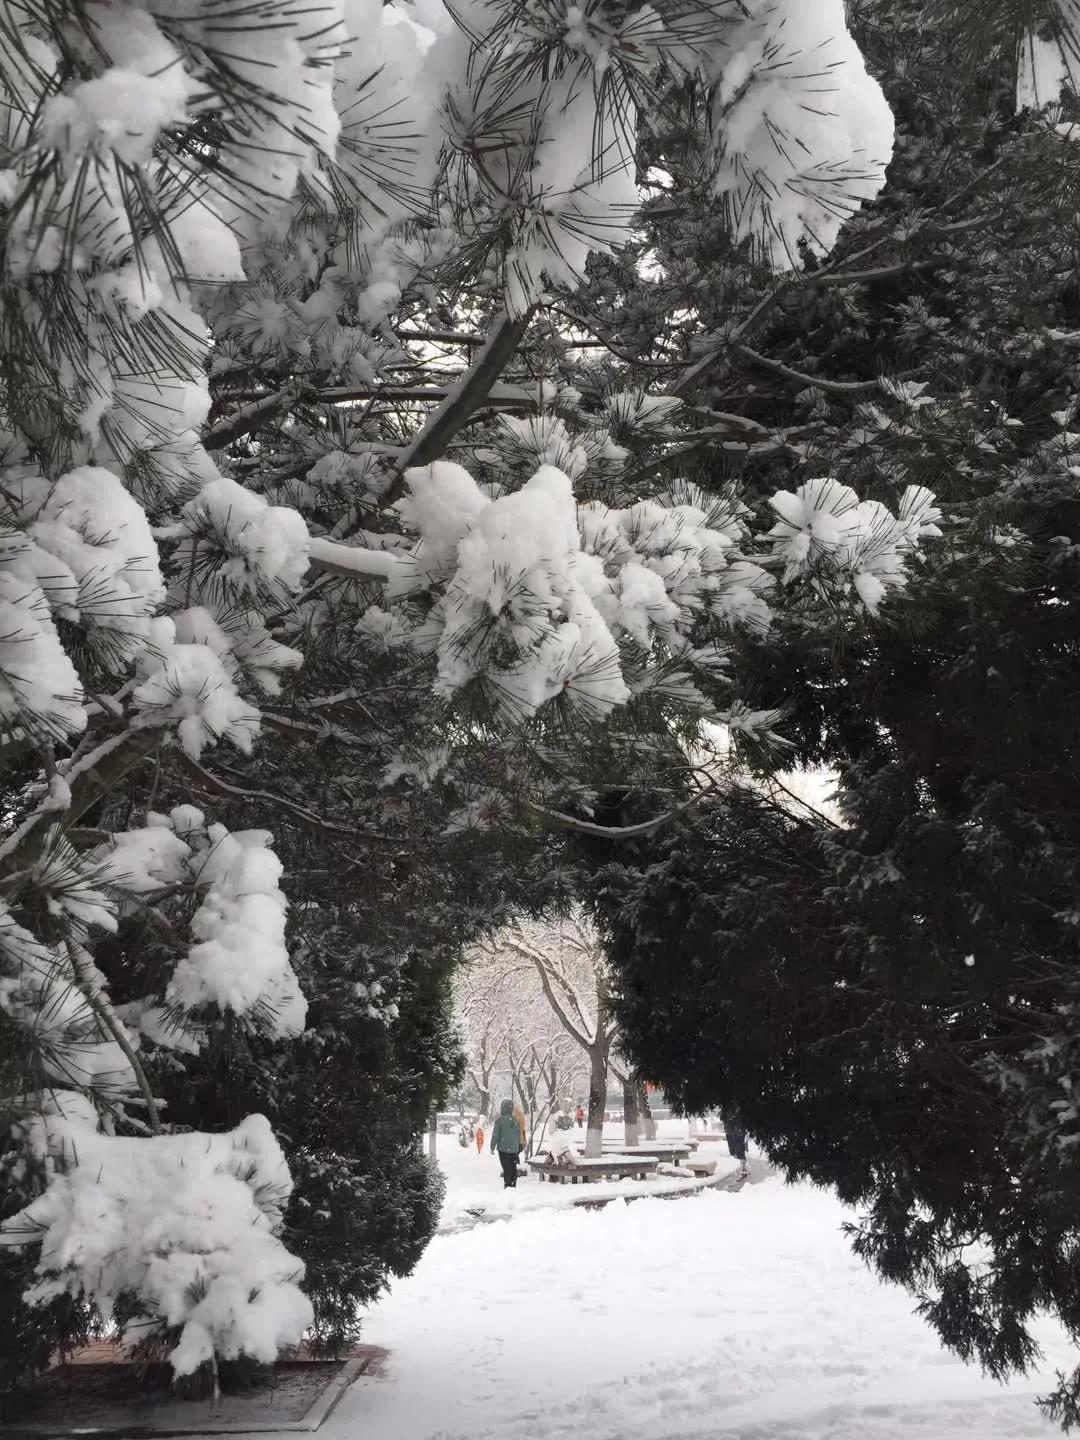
<point>480,1136</point>
<point>736,1139</point>
<point>506,1143</point>
<point>579,1116</point>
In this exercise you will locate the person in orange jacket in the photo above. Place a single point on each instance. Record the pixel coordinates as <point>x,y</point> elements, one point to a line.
<point>519,1116</point>
<point>480,1136</point>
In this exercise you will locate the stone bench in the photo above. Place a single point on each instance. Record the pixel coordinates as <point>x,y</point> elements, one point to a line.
<point>702,1168</point>
<point>673,1151</point>
<point>584,1171</point>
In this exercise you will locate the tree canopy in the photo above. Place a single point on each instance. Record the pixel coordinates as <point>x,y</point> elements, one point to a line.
<point>417,420</point>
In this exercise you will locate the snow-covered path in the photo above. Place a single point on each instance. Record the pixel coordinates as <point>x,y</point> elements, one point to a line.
<point>719,1315</point>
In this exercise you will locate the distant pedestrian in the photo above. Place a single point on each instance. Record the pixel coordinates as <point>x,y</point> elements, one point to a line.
<point>479,1137</point>
<point>579,1116</point>
<point>506,1143</point>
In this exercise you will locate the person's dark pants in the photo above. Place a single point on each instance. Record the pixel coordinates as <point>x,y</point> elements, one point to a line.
<point>509,1165</point>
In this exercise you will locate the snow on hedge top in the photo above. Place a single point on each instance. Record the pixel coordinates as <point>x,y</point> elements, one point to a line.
<point>185,1222</point>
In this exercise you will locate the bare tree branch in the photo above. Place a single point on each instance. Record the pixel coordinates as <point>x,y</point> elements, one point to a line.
<point>282,802</point>
<point>457,409</point>
<point>251,417</point>
<point>832,387</point>
<point>619,832</point>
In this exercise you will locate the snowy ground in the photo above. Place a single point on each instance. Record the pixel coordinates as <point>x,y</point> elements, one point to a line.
<point>721,1315</point>
<point>474,1182</point>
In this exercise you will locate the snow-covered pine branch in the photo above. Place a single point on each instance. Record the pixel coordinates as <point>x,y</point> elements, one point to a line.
<point>211,235</point>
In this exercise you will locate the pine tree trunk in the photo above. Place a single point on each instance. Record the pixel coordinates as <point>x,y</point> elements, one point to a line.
<point>631,1119</point>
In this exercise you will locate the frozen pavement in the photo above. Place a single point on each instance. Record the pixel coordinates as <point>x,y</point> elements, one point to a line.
<point>719,1315</point>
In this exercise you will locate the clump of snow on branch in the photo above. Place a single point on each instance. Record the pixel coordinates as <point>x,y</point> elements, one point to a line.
<point>143,861</point>
<point>560,182</point>
<point>192,690</point>
<point>803,134</point>
<point>240,961</point>
<point>41,992</point>
<point>538,597</point>
<point>241,642</point>
<point>41,695</point>
<point>103,561</point>
<point>261,543</point>
<point>824,529</point>
<point>122,111</point>
<point>518,607</point>
<point>187,1223</point>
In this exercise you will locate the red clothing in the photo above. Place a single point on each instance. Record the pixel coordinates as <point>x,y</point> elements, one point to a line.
<point>479,1140</point>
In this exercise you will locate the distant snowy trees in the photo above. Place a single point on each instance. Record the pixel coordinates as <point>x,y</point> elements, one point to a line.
<point>533,999</point>
<point>316,511</point>
<point>568,960</point>
<point>515,1045</point>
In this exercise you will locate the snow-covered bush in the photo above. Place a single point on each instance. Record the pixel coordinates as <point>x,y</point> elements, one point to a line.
<point>185,1222</point>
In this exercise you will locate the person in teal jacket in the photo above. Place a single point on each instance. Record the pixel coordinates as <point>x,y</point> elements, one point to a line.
<point>506,1143</point>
